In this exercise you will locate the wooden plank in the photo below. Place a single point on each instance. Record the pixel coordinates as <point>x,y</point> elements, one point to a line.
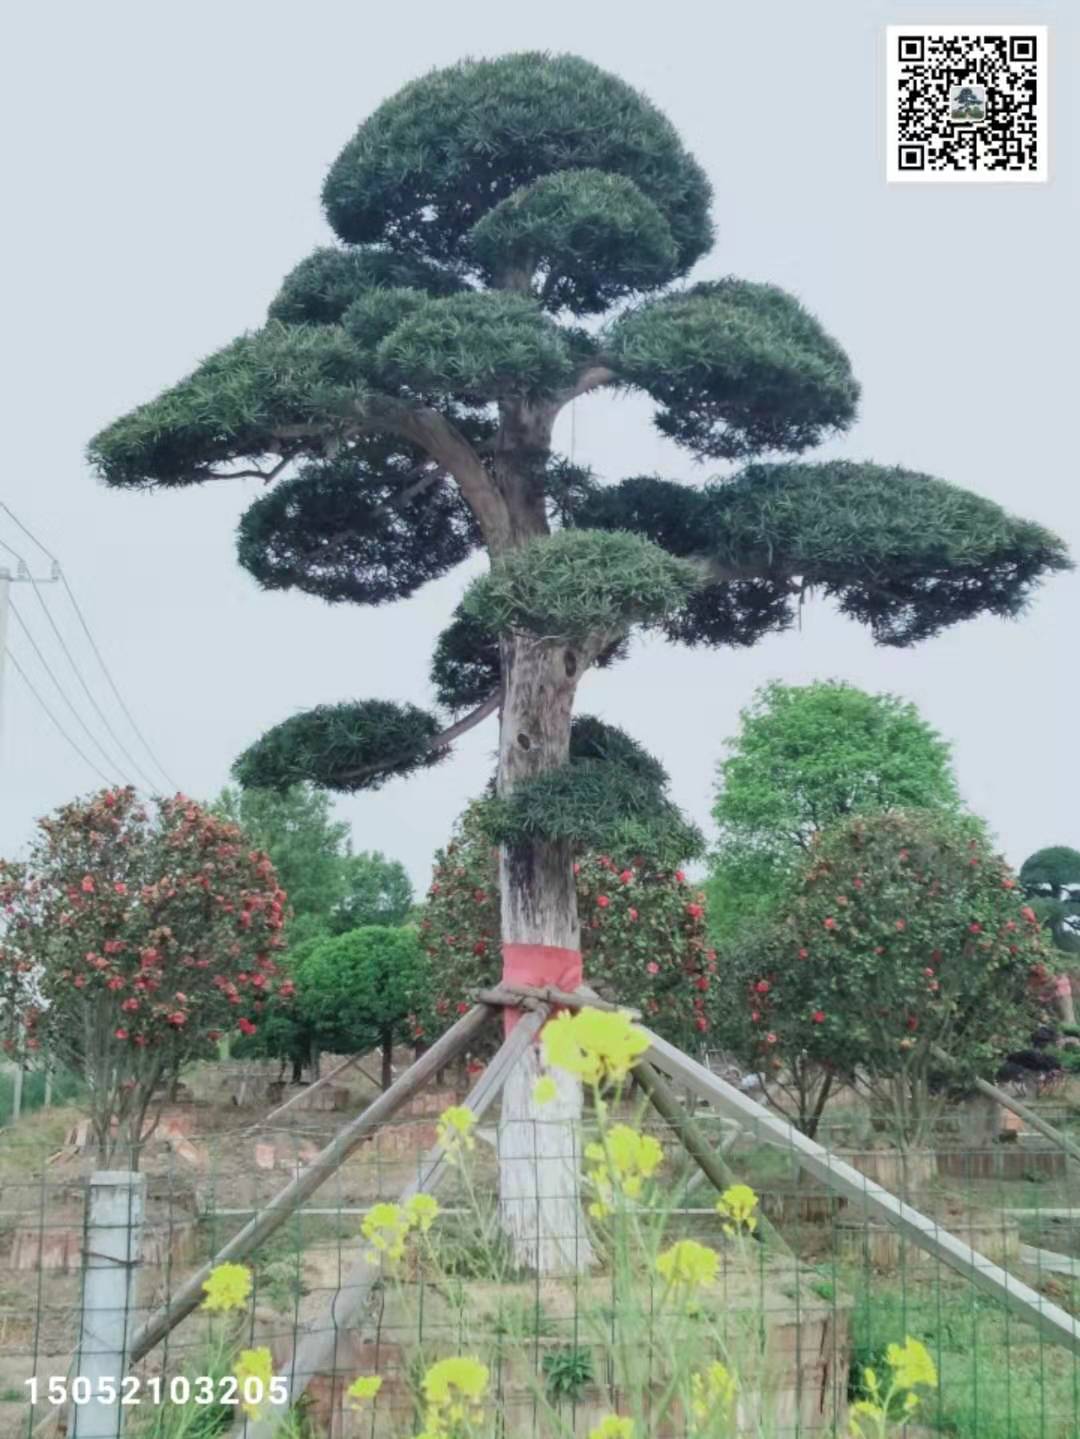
<point>190,1294</point>
<point>1021,1299</point>
<point>314,1353</point>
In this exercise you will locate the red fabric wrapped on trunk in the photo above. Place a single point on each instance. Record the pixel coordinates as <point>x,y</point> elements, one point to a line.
<point>539,965</point>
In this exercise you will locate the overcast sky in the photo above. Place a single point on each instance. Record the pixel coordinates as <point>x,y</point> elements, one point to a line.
<point>162,172</point>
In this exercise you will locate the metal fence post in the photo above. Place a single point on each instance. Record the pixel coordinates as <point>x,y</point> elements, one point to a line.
<point>115,1206</point>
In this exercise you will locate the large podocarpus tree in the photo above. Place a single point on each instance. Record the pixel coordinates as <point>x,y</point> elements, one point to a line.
<point>514,234</point>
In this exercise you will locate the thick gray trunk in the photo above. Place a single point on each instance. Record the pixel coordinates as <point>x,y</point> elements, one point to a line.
<point>540,1168</point>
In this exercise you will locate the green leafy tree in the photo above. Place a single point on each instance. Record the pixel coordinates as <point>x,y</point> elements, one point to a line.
<point>904,932</point>
<point>807,756</point>
<point>363,990</point>
<point>376,891</point>
<point>514,235</point>
<point>308,846</point>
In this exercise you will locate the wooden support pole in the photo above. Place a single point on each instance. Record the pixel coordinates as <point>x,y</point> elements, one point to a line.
<point>1023,1111</point>
<point>666,1103</point>
<point>1023,1301</point>
<point>287,1200</point>
<point>315,1353</point>
<point>519,995</point>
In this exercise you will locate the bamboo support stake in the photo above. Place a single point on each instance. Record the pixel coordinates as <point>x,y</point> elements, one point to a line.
<point>287,1200</point>
<point>315,1352</point>
<point>1023,1301</point>
<point>666,1103</point>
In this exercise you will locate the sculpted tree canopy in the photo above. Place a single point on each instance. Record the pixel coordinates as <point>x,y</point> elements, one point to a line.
<point>513,234</point>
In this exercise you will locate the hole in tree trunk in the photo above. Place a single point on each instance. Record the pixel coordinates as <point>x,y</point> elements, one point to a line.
<point>524,741</point>
<point>570,663</point>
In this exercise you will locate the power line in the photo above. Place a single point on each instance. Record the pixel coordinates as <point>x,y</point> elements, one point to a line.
<point>98,656</point>
<point>117,770</point>
<point>29,685</point>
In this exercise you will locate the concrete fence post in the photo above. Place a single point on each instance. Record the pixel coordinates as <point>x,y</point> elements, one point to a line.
<point>115,1207</point>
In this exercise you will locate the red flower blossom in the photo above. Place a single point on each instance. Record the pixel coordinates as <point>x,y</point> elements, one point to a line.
<point>829,923</point>
<point>770,1038</point>
<point>627,876</point>
<point>632,912</point>
<point>818,1016</point>
<point>701,1023</point>
<point>763,986</point>
<point>1029,914</point>
<point>695,911</point>
<point>901,925</point>
<point>652,967</point>
<point>245,1026</point>
<point>87,884</point>
<point>680,876</point>
<point>975,927</point>
<point>602,901</point>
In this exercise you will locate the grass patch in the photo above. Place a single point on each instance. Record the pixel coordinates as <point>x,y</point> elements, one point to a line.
<point>998,1379</point>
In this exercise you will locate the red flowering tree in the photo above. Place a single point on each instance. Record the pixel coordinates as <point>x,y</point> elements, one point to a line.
<point>133,938</point>
<point>642,929</point>
<point>904,933</point>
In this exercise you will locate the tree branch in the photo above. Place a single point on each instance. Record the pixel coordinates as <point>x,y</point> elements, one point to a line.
<point>592,377</point>
<point>437,742</point>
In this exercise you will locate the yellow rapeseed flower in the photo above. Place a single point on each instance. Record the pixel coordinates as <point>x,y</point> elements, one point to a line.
<point>455,1130</point>
<point>688,1263</point>
<point>545,1090</point>
<point>622,1162</point>
<point>911,1364</point>
<point>596,1044</point>
<point>613,1427</point>
<point>737,1205</point>
<point>364,1388</point>
<point>227,1287</point>
<point>712,1390</point>
<point>864,1409</point>
<point>385,1227</point>
<point>422,1210</point>
<point>254,1364</point>
<point>454,1390</point>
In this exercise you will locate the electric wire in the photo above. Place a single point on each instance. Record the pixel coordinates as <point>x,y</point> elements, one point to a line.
<point>76,747</point>
<point>117,769</point>
<point>98,656</point>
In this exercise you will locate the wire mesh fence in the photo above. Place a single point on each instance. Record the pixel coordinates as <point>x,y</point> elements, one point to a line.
<point>801,1303</point>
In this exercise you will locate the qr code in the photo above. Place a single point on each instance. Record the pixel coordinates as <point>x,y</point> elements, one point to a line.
<point>966,102</point>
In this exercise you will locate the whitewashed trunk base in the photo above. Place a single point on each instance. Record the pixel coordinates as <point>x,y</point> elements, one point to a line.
<point>540,1172</point>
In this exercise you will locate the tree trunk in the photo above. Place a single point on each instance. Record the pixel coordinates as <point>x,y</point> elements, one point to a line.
<point>387,1059</point>
<point>539,1149</point>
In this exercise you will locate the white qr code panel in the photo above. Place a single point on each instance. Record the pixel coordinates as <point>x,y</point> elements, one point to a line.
<point>966,102</point>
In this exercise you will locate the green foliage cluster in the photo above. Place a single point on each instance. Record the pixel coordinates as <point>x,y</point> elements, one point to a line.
<point>340,530</point>
<point>643,934</point>
<point>427,166</point>
<point>241,403</point>
<point>1051,879</point>
<point>904,932</point>
<point>595,237</point>
<point>364,989</point>
<point>580,582</point>
<point>343,747</point>
<point>475,347</point>
<point>736,367</point>
<point>805,757</point>
<point>321,288</point>
<point>903,552</point>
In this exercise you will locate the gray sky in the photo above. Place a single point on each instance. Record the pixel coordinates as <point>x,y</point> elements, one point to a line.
<point>162,172</point>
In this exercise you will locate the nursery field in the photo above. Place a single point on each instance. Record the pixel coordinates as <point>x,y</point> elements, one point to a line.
<point>800,1317</point>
